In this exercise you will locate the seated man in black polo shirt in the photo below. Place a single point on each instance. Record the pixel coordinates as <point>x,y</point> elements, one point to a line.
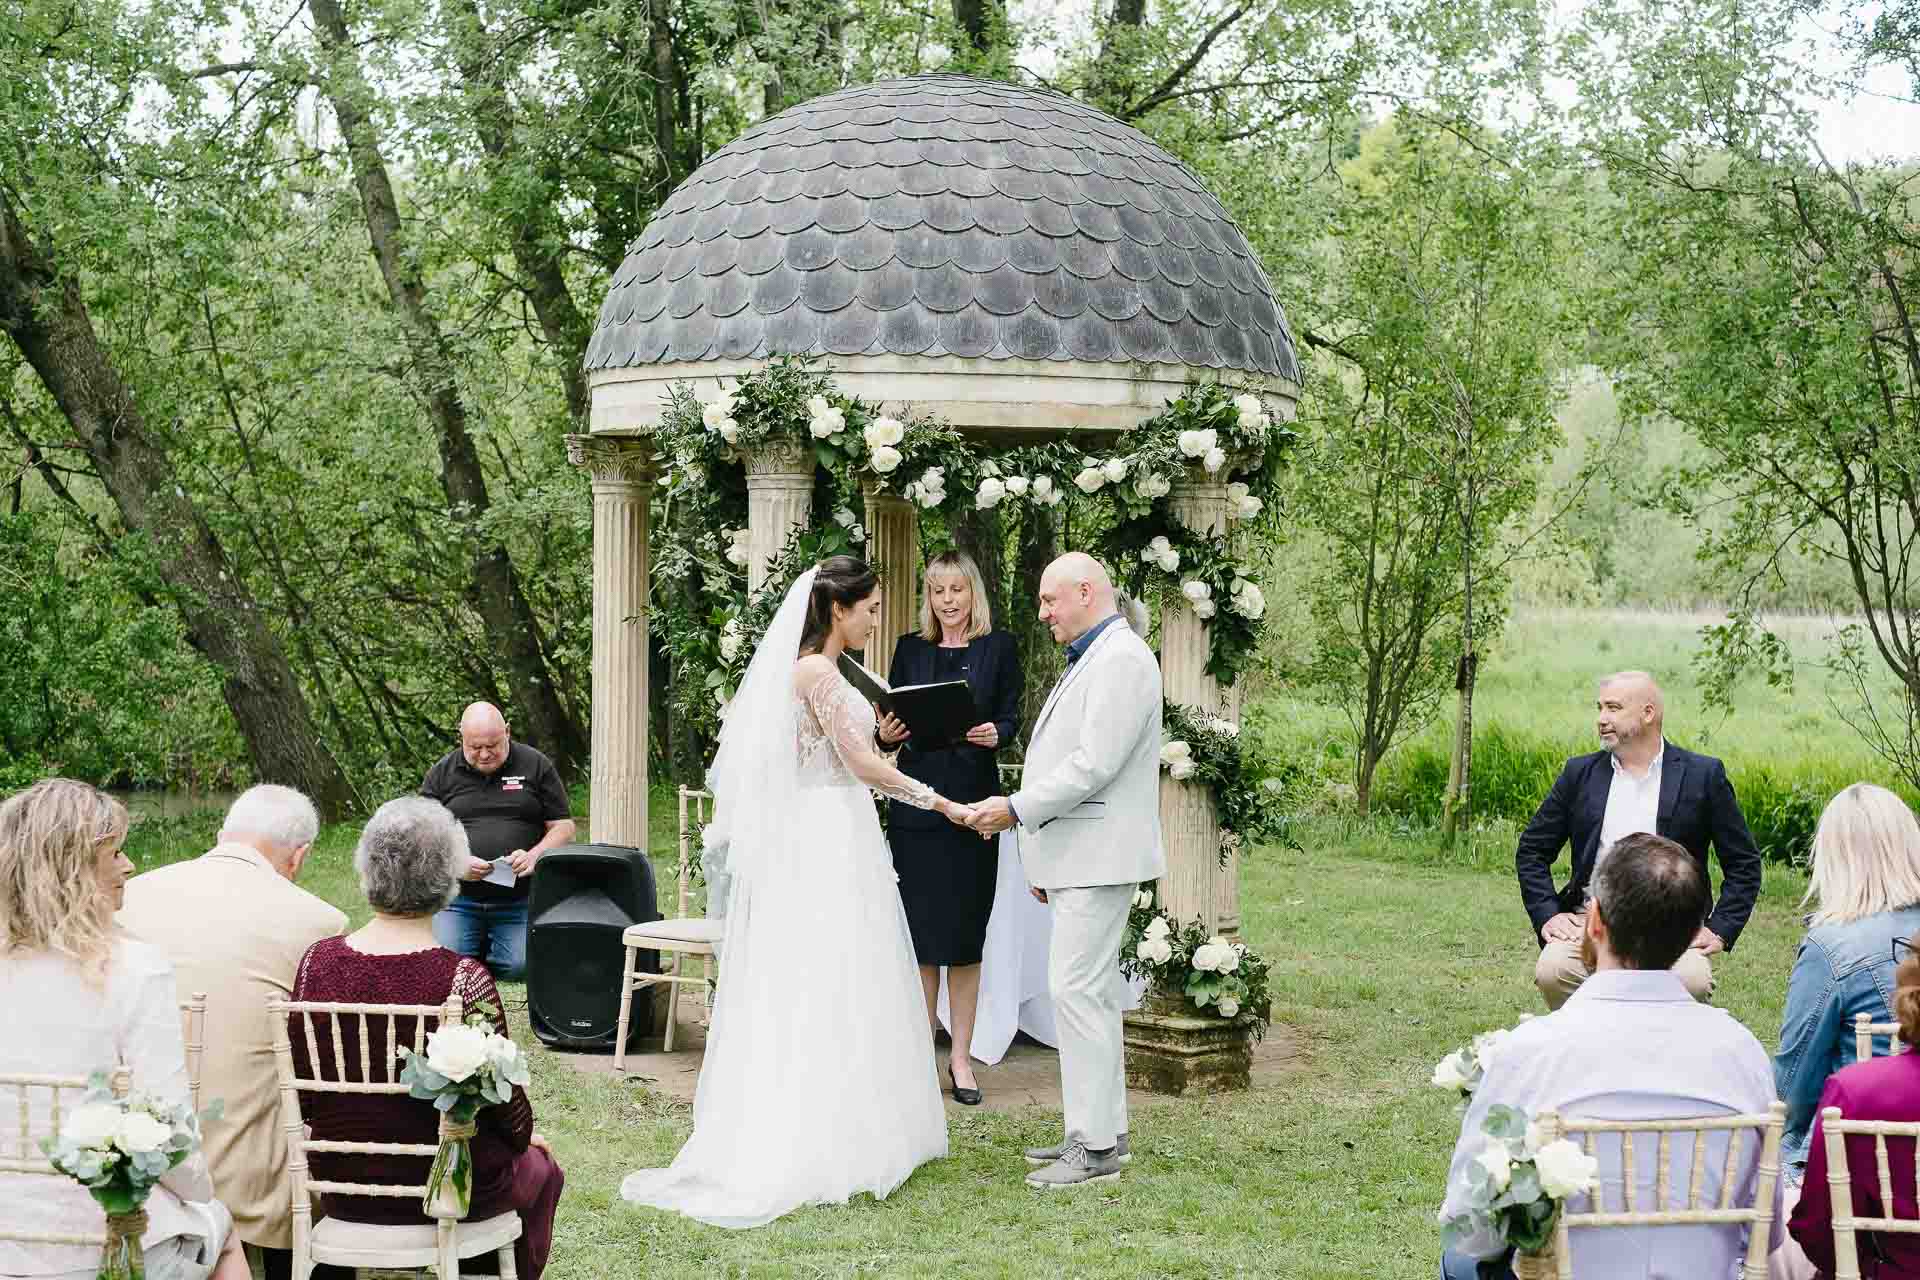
<point>509,798</point>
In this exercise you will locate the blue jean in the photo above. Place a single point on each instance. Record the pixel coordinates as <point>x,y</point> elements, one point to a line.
<point>492,932</point>
<point>1458,1266</point>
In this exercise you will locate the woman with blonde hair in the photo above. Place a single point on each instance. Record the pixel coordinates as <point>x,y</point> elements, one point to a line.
<point>1866,879</point>
<point>81,997</point>
<point>947,873</point>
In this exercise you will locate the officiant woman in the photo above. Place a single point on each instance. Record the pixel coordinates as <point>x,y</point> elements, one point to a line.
<point>947,873</point>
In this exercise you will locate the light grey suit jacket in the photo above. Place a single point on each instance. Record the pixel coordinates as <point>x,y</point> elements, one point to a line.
<point>1089,799</point>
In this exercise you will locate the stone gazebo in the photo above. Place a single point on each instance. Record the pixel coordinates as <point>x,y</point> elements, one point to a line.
<point>1010,259</point>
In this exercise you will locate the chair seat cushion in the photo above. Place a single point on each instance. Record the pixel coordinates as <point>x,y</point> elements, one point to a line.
<point>706,932</point>
<point>378,1244</point>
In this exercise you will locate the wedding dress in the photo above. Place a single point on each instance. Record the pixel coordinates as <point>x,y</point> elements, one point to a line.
<point>818,1081</point>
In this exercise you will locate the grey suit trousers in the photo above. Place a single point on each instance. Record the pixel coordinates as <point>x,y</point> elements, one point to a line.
<point>1083,976</point>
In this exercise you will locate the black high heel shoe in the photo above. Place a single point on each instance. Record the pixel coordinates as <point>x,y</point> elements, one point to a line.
<point>965,1097</point>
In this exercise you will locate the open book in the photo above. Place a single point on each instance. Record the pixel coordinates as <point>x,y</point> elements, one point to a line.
<point>936,714</point>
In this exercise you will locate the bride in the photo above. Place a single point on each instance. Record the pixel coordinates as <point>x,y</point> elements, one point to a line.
<point>819,1081</point>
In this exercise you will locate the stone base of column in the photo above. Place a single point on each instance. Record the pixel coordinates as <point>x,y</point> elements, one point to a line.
<point>1175,1049</point>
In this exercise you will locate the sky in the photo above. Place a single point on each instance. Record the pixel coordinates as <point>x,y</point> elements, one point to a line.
<point>1878,121</point>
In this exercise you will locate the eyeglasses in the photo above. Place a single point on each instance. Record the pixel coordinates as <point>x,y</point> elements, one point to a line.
<point>1900,945</point>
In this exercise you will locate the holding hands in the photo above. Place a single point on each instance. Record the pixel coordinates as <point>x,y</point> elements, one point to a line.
<point>961,815</point>
<point>992,815</point>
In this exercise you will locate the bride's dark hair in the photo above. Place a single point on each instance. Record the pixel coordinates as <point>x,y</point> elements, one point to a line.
<point>843,581</point>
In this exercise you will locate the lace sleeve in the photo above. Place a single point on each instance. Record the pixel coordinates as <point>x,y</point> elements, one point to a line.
<point>846,723</point>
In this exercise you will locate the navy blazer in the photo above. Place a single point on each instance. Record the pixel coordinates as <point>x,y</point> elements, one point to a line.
<point>1697,808</point>
<point>960,771</point>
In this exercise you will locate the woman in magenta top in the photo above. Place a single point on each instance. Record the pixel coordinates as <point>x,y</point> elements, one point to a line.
<point>1874,1089</point>
<point>407,857</point>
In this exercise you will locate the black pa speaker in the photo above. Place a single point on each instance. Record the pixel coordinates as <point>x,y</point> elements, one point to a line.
<point>584,897</point>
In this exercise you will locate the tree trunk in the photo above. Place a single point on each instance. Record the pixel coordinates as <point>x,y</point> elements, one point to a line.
<point>983,21</point>
<point>665,103</point>
<point>495,591</point>
<point>533,233</point>
<point>1112,84</point>
<point>1363,771</point>
<point>1460,766</point>
<point>47,319</point>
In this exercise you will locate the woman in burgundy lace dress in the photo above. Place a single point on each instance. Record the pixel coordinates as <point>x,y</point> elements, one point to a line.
<point>406,861</point>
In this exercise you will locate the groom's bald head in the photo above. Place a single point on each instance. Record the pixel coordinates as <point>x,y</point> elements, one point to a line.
<point>1075,593</point>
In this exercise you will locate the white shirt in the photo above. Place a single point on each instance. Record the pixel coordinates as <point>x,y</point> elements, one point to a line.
<point>1631,1044</point>
<point>59,1023</point>
<point>1633,804</point>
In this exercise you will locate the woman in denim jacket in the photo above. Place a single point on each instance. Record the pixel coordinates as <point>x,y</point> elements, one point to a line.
<point>1866,873</point>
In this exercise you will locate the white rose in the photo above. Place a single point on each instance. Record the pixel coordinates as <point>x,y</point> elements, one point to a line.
<point>1451,1071</point>
<point>1152,485</point>
<point>1228,1006</point>
<point>1207,439</point>
<point>858,533</point>
<point>1170,562</point>
<point>1493,1158</point>
<point>1250,507</point>
<point>1193,444</point>
<point>930,496</point>
<point>457,1052</point>
<point>1236,491</point>
<point>885,458</point>
<point>139,1132</point>
<point>1196,590</point>
<point>1204,609</point>
<point>1175,751</point>
<point>93,1125</point>
<point>1159,950</point>
<point>729,430</point>
<point>1158,927</point>
<point>988,495</point>
<point>1091,480</point>
<point>935,476</point>
<point>844,517</point>
<point>826,423</point>
<point>1115,469</point>
<point>1143,899</point>
<point>729,646</point>
<point>1181,770</point>
<point>717,411</point>
<point>1250,601</point>
<point>883,431</point>
<point>1043,490</point>
<point>1226,959</point>
<point>1017,485</point>
<point>1565,1169</point>
<point>1214,460</point>
<point>1210,957</point>
<point>818,405</point>
<point>1252,415</point>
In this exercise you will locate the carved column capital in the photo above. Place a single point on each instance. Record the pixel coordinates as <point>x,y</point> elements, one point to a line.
<point>779,464</point>
<point>612,459</point>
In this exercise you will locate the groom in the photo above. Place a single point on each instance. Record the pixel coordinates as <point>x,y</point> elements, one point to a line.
<point>1089,816</point>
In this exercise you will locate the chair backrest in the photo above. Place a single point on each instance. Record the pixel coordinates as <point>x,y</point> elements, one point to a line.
<point>1865,1029</point>
<point>1836,1128</point>
<point>696,810</point>
<point>1693,1210</point>
<point>193,1033</point>
<point>26,1157</point>
<point>329,1051</point>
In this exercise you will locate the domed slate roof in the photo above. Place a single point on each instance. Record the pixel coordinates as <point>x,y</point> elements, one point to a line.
<point>943,216</point>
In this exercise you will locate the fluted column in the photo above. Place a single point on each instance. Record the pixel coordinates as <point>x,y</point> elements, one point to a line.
<point>1196,885</point>
<point>893,545</point>
<point>622,473</point>
<point>779,500</point>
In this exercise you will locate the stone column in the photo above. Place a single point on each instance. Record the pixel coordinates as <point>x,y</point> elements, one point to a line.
<point>893,544</point>
<point>779,500</point>
<point>622,471</point>
<point>1196,885</point>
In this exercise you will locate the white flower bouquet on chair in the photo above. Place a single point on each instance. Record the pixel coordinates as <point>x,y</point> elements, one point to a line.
<point>466,1068</point>
<point>1517,1183</point>
<point>118,1147</point>
<point>1466,1067</point>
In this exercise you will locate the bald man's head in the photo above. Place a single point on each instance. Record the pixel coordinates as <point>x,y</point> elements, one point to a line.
<point>1075,592</point>
<point>483,737</point>
<point>1629,713</point>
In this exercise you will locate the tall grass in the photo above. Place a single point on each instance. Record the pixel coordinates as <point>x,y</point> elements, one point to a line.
<point>1787,750</point>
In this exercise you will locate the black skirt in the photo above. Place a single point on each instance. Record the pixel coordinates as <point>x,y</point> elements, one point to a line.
<point>947,877</point>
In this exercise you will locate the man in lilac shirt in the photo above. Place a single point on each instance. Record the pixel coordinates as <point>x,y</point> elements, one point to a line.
<point>1630,1044</point>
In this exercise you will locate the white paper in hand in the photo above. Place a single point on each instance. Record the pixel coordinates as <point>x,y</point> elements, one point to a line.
<point>502,873</point>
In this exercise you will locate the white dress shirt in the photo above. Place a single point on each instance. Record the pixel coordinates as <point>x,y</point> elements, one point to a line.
<point>59,1022</point>
<point>1631,1045</point>
<point>1633,804</point>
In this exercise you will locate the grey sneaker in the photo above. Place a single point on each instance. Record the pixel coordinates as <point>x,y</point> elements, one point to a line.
<point>1047,1155</point>
<point>1076,1167</point>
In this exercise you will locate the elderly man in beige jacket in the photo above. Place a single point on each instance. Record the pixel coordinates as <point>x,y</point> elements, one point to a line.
<point>235,926</point>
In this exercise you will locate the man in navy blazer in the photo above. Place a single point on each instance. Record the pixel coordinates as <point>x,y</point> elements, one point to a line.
<point>1637,782</point>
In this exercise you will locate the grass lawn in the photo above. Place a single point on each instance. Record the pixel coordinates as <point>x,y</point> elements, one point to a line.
<point>1384,959</point>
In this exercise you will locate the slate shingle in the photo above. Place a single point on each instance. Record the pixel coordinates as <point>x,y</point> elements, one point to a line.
<point>943,215</point>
